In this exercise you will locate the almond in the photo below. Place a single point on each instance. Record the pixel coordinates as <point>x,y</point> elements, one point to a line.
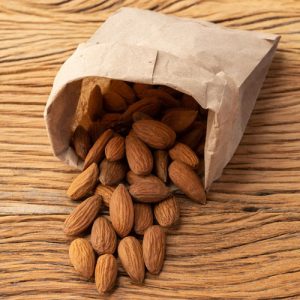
<point>82,257</point>
<point>186,179</point>
<point>138,115</point>
<point>185,154</point>
<point>103,236</point>
<point>134,178</point>
<point>84,183</point>
<point>109,120</point>
<point>189,102</point>
<point>150,190</point>
<point>123,89</point>
<point>115,148</point>
<point>113,102</point>
<point>131,256</point>
<point>166,99</point>
<point>121,211</point>
<point>95,103</point>
<point>193,136</point>
<point>179,120</point>
<point>138,155</point>
<point>154,133</point>
<point>106,273</point>
<point>154,248</point>
<point>105,192</point>
<point>81,142</point>
<point>112,172</point>
<point>143,217</point>
<point>96,153</point>
<point>95,130</point>
<point>170,91</point>
<point>82,216</point>
<point>161,164</point>
<point>167,212</point>
<point>139,88</point>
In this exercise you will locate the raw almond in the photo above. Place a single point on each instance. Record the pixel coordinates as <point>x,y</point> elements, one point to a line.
<point>112,172</point>
<point>143,217</point>
<point>121,211</point>
<point>179,120</point>
<point>96,153</point>
<point>84,183</point>
<point>161,164</point>
<point>113,102</point>
<point>95,103</point>
<point>131,256</point>
<point>155,134</point>
<point>193,136</point>
<point>187,180</point>
<point>185,154</point>
<point>106,273</point>
<point>150,190</point>
<point>109,120</point>
<point>82,257</point>
<point>138,115</point>
<point>95,130</point>
<point>138,155</point>
<point>139,88</point>
<point>105,192</point>
<point>103,236</point>
<point>167,212</point>
<point>166,99</point>
<point>132,178</point>
<point>81,142</point>
<point>82,216</point>
<point>154,248</point>
<point>115,148</point>
<point>189,102</point>
<point>123,89</point>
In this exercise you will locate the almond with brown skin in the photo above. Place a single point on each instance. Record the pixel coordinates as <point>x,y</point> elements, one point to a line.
<point>82,257</point>
<point>131,256</point>
<point>185,154</point>
<point>105,191</point>
<point>103,236</point>
<point>149,191</point>
<point>113,102</point>
<point>106,273</point>
<point>81,142</point>
<point>95,103</point>
<point>166,99</point>
<point>112,172</point>
<point>96,153</point>
<point>132,178</point>
<point>161,164</point>
<point>189,102</point>
<point>121,211</point>
<point>167,212</point>
<point>154,133</point>
<point>139,156</point>
<point>179,120</point>
<point>193,136</point>
<point>82,216</point>
<point>109,120</point>
<point>84,183</point>
<point>187,180</point>
<point>115,148</point>
<point>154,248</point>
<point>143,217</point>
<point>124,90</point>
<point>95,130</point>
<point>138,115</point>
<point>139,88</point>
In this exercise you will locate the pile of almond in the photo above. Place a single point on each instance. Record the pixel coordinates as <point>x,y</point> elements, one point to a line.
<point>142,141</point>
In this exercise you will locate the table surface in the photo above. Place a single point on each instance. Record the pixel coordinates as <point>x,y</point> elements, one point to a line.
<point>245,243</point>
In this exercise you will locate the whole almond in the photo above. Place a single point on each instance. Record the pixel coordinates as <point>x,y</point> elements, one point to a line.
<point>149,191</point>
<point>166,99</point>
<point>115,148</point>
<point>131,256</point>
<point>179,120</point>
<point>81,142</point>
<point>139,88</point>
<point>121,211</point>
<point>82,216</point>
<point>185,154</point>
<point>82,257</point>
<point>105,191</point>
<point>112,172</point>
<point>113,102</point>
<point>95,130</point>
<point>143,217</point>
<point>139,156</point>
<point>138,115</point>
<point>187,180</point>
<point>167,212</point>
<point>155,134</point>
<point>193,136</point>
<point>84,183</point>
<point>103,236</point>
<point>124,90</point>
<point>95,103</point>
<point>109,120</point>
<point>189,102</point>
<point>154,248</point>
<point>96,153</point>
<point>161,164</point>
<point>132,178</point>
<point>106,273</point>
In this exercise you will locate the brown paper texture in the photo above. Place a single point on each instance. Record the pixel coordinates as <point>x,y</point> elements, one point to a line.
<point>223,69</point>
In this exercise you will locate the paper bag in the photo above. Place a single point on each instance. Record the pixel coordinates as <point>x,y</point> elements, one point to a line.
<point>223,69</point>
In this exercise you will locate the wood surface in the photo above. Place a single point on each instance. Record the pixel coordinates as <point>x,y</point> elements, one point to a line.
<point>244,244</point>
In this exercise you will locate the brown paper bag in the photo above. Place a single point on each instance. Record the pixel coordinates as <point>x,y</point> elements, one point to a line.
<point>223,69</point>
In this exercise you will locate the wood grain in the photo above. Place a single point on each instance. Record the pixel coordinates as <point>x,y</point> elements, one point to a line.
<point>243,244</point>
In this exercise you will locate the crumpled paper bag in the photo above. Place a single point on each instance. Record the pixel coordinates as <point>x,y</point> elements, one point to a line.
<point>223,69</point>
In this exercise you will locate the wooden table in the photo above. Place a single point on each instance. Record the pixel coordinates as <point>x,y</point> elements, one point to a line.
<point>245,243</point>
